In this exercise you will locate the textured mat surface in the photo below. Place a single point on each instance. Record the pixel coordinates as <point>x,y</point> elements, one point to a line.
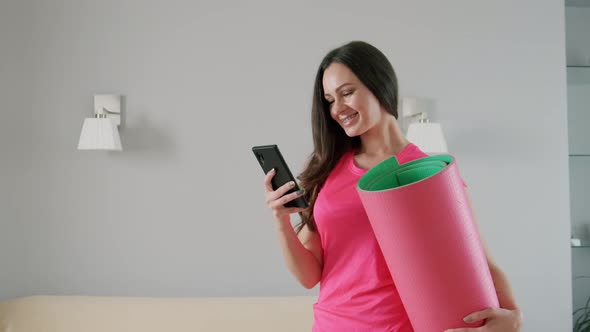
<point>423,222</point>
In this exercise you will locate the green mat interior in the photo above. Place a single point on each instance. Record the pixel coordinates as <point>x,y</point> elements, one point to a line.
<point>390,174</point>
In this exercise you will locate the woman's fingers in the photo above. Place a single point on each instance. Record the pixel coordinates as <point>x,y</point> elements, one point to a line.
<point>294,210</point>
<point>267,180</point>
<point>282,200</point>
<point>277,194</point>
<point>481,315</point>
<point>276,199</point>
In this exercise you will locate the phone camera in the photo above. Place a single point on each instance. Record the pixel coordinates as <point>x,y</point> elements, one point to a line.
<point>261,158</point>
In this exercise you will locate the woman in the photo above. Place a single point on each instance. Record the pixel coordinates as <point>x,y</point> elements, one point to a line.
<point>354,120</point>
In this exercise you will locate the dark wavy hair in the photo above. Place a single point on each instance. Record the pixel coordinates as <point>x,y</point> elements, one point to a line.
<point>330,141</point>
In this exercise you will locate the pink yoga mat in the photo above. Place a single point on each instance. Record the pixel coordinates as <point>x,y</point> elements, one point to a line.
<point>427,234</point>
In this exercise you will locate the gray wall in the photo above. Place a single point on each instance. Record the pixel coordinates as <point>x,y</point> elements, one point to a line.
<point>180,212</point>
<point>15,146</point>
<point>578,98</point>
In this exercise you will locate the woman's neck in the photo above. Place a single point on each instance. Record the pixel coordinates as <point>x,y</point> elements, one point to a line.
<point>384,140</point>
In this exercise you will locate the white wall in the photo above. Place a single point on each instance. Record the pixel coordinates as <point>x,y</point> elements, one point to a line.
<point>180,212</point>
<point>578,98</point>
<point>15,144</point>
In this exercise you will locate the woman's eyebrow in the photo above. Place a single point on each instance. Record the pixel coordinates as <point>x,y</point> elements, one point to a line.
<point>339,88</point>
<point>342,86</point>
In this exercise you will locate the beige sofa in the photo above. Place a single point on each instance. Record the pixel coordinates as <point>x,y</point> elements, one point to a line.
<point>114,314</point>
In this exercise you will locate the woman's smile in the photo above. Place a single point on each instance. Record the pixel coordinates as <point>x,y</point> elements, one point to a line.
<point>347,121</point>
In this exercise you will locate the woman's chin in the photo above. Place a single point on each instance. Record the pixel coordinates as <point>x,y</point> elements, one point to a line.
<point>351,132</point>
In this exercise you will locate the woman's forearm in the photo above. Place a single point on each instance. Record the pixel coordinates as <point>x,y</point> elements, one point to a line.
<point>503,290</point>
<point>301,262</point>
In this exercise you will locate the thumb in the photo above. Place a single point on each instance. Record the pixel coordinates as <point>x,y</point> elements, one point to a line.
<point>480,315</point>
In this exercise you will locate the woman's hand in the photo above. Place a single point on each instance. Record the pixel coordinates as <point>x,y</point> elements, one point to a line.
<point>276,201</point>
<point>496,320</point>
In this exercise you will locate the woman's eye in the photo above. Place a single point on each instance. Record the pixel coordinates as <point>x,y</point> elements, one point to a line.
<point>347,93</point>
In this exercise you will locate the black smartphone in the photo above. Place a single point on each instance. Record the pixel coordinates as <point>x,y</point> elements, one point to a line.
<point>270,157</point>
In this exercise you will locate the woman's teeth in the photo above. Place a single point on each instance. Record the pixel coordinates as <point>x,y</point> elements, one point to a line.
<point>349,118</point>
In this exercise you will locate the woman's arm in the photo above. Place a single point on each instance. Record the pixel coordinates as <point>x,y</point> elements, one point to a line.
<point>507,318</point>
<point>302,253</point>
<point>503,289</point>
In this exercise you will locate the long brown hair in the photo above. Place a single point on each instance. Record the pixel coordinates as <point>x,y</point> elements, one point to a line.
<point>330,141</point>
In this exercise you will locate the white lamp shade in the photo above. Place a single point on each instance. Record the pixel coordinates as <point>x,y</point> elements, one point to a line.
<point>99,134</point>
<point>428,137</point>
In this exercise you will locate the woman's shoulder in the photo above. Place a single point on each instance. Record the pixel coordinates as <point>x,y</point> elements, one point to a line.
<point>410,152</point>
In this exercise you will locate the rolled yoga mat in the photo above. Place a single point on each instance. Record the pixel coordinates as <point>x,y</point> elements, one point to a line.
<point>424,225</point>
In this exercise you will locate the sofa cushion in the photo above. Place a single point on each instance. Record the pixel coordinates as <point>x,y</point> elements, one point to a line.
<point>114,314</point>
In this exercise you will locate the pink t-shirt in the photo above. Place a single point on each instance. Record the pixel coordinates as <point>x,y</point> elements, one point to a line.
<point>357,292</point>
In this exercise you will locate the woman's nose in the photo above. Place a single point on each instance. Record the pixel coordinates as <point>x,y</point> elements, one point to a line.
<point>337,106</point>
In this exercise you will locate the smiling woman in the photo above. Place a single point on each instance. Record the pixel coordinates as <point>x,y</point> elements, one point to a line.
<point>354,123</point>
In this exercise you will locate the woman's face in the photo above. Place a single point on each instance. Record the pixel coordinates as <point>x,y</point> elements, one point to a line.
<point>352,105</point>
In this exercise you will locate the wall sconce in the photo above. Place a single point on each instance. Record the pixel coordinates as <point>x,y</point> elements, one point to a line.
<point>101,132</point>
<point>427,135</point>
